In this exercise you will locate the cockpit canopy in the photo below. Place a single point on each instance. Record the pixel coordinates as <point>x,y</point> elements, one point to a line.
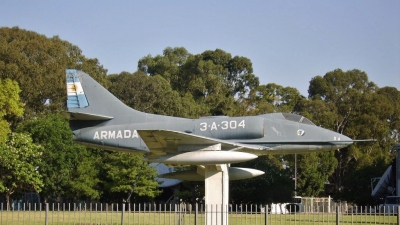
<point>297,118</point>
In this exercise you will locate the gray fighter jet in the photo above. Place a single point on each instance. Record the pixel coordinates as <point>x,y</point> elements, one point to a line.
<point>98,119</point>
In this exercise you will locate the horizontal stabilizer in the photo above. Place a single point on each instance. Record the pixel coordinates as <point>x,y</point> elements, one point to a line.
<point>86,116</point>
<point>163,169</point>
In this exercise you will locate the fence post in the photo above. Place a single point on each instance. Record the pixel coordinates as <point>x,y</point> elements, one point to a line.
<point>337,215</point>
<point>122,213</point>
<point>398,214</point>
<point>196,214</point>
<point>266,214</point>
<point>47,213</point>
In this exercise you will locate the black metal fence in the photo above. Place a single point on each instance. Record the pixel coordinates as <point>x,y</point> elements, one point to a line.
<point>182,214</point>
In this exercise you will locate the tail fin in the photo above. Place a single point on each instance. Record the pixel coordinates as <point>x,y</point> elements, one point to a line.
<point>76,95</point>
<point>88,100</point>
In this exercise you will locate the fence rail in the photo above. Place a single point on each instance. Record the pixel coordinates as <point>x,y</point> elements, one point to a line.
<point>187,214</point>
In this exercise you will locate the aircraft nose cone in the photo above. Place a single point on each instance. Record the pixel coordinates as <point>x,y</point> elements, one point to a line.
<point>345,138</point>
<point>342,141</point>
<point>336,140</point>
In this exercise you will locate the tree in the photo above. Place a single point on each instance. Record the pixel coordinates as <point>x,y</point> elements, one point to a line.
<point>19,162</point>
<point>241,78</point>
<point>168,65</point>
<point>10,106</point>
<point>212,78</point>
<point>349,103</point>
<point>153,95</point>
<point>276,185</point>
<point>65,165</point>
<point>314,170</point>
<point>124,174</point>
<point>270,98</point>
<point>84,177</point>
<point>38,64</point>
<point>391,110</point>
<point>378,119</point>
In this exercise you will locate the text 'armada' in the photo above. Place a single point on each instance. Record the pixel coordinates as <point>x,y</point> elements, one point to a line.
<point>112,134</point>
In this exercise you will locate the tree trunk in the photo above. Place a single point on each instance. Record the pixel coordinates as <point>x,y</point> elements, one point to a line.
<point>338,173</point>
<point>8,205</point>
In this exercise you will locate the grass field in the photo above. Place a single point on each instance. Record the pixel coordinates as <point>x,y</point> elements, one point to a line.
<point>153,218</point>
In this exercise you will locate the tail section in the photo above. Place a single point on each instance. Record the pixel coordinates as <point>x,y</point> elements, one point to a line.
<point>76,95</point>
<point>88,100</point>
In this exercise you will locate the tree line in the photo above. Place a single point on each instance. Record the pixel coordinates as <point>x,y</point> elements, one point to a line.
<point>37,152</point>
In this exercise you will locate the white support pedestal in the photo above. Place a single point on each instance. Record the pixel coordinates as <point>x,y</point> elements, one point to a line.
<point>216,187</point>
<point>217,194</point>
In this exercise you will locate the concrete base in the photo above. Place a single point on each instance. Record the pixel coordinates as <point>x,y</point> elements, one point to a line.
<point>216,188</point>
<point>216,194</point>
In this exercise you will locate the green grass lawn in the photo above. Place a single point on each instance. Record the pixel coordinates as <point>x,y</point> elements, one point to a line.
<point>151,218</point>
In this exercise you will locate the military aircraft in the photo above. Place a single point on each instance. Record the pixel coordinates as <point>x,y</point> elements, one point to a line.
<point>99,119</point>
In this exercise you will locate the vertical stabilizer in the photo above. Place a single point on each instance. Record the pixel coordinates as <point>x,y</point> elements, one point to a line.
<point>88,100</point>
<point>76,95</point>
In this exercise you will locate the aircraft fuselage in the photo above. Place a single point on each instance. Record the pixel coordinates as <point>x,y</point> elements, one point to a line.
<point>279,133</point>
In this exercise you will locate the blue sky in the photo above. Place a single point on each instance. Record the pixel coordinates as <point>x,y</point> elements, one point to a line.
<point>288,42</point>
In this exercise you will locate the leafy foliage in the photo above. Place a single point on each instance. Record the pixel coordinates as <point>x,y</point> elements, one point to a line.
<point>212,78</point>
<point>274,186</point>
<point>10,106</point>
<point>19,162</point>
<point>64,164</point>
<point>153,95</point>
<point>314,171</point>
<point>349,103</point>
<point>178,83</point>
<point>124,174</point>
<point>38,64</point>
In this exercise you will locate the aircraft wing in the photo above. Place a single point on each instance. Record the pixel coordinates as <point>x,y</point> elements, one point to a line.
<point>167,141</point>
<point>85,116</point>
